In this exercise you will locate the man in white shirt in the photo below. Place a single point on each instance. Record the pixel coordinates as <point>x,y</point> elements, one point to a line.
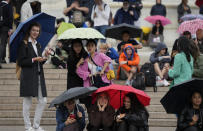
<point>100,15</point>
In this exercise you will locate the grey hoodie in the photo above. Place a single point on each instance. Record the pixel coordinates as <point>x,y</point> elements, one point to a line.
<point>154,56</point>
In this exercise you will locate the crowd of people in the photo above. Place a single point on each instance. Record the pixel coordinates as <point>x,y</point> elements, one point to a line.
<point>91,65</point>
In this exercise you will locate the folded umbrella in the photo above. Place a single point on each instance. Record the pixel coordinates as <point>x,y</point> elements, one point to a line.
<point>63,27</point>
<point>179,95</point>
<point>116,31</point>
<point>47,23</point>
<point>153,19</point>
<point>191,17</point>
<point>192,26</point>
<point>118,92</point>
<point>73,93</point>
<point>81,33</point>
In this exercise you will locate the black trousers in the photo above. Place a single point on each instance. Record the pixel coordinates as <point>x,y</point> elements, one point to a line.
<point>124,126</point>
<point>192,128</point>
<point>3,42</point>
<point>103,129</point>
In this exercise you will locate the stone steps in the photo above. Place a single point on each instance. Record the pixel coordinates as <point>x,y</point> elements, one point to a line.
<point>11,103</point>
<point>14,107</point>
<point>52,121</point>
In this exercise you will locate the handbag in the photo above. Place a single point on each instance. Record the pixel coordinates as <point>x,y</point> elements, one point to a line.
<point>96,80</point>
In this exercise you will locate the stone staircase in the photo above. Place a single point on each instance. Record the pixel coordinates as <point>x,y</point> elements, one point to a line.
<point>11,103</point>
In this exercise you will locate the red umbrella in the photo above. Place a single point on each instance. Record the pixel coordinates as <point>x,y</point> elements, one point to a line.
<point>117,93</point>
<point>199,2</point>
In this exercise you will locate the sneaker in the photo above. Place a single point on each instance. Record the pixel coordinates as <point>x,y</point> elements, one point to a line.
<point>39,129</point>
<point>128,83</point>
<point>166,82</point>
<point>30,129</point>
<point>158,78</point>
<point>159,83</point>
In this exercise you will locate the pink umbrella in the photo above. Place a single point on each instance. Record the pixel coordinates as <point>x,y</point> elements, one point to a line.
<point>153,19</point>
<point>192,26</point>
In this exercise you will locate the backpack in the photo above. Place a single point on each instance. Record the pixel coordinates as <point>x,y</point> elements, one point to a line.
<point>1,16</point>
<point>150,75</point>
<point>139,81</point>
<point>78,18</point>
<point>110,15</point>
<point>18,68</point>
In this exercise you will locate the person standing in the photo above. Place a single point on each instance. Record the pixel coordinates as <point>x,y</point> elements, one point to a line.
<point>183,9</point>
<point>158,9</point>
<point>183,63</point>
<point>76,13</point>
<point>76,53</point>
<point>6,25</point>
<point>27,9</point>
<point>127,14</point>
<point>100,16</point>
<point>32,81</point>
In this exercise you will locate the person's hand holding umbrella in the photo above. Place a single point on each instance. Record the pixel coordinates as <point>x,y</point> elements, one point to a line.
<point>131,13</point>
<point>70,120</point>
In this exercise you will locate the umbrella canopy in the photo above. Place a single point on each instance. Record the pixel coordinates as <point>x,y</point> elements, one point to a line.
<point>81,33</point>
<point>191,17</point>
<point>117,93</point>
<point>73,93</point>
<point>199,2</point>
<point>63,27</point>
<point>192,26</point>
<point>178,96</point>
<point>47,23</point>
<point>116,31</point>
<point>153,19</point>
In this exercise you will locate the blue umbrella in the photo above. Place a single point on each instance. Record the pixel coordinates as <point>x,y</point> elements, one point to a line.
<point>191,17</point>
<point>47,23</point>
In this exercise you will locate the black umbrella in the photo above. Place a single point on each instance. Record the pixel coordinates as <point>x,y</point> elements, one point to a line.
<point>179,95</point>
<point>116,31</point>
<point>73,93</point>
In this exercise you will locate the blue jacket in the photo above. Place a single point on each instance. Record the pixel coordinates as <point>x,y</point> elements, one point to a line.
<point>62,114</point>
<point>112,53</point>
<point>154,56</point>
<point>158,9</point>
<point>125,17</point>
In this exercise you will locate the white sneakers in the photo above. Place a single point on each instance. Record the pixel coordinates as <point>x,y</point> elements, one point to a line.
<point>32,129</point>
<point>128,83</point>
<point>39,129</point>
<point>160,82</point>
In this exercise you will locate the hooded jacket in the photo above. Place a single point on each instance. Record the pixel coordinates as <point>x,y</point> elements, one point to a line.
<point>154,56</point>
<point>158,9</point>
<point>134,60</point>
<point>26,10</point>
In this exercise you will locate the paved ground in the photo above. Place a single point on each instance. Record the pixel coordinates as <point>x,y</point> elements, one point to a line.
<point>52,128</point>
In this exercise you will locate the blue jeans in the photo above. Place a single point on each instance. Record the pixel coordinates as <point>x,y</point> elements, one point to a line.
<point>102,30</point>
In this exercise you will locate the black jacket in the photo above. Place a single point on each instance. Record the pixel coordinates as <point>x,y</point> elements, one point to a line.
<point>29,79</point>
<point>73,80</point>
<point>186,117</point>
<point>139,118</point>
<point>7,15</point>
<point>158,9</point>
<point>181,11</point>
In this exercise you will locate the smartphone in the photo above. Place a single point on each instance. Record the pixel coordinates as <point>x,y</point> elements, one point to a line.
<point>72,116</point>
